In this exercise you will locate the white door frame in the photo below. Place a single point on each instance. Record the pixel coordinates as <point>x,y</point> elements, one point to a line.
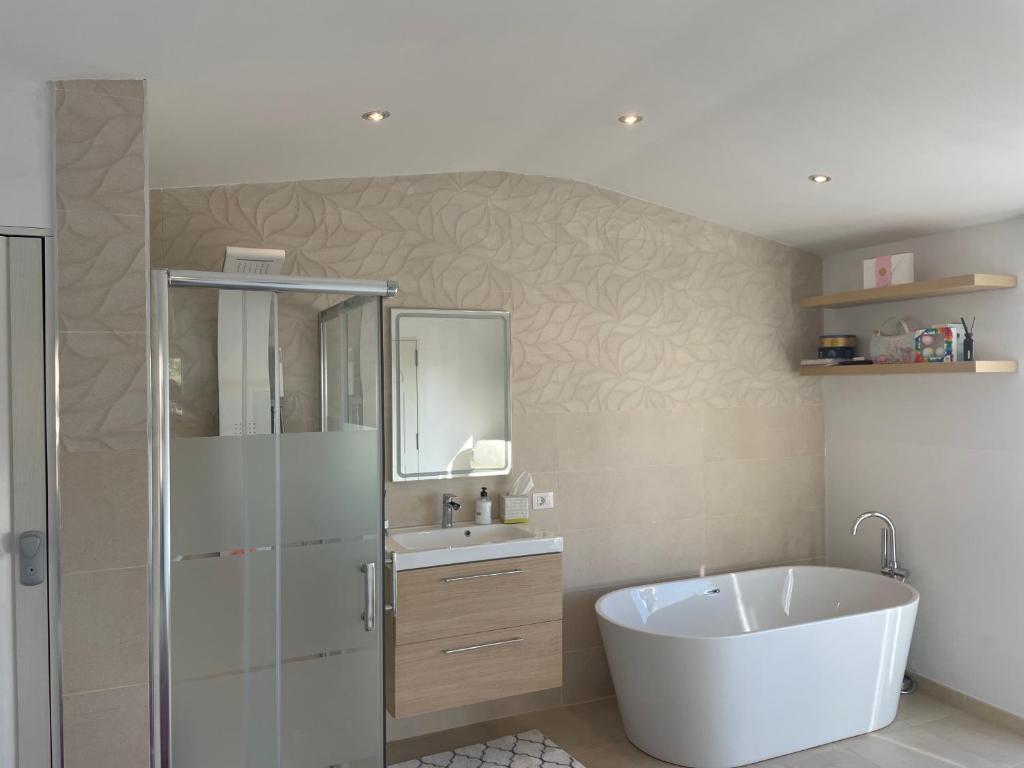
<point>37,664</point>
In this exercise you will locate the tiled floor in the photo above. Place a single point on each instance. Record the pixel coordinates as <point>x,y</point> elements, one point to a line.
<point>926,733</point>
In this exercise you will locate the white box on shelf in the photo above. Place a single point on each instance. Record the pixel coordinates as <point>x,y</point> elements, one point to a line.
<point>896,269</point>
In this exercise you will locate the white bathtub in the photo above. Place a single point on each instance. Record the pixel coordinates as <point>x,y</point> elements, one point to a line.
<point>726,670</point>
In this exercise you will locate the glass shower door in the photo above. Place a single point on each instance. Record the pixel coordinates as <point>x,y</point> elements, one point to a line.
<point>332,498</point>
<point>274,643</point>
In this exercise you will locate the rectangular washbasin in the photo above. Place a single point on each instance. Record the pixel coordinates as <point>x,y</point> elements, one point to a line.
<point>430,546</point>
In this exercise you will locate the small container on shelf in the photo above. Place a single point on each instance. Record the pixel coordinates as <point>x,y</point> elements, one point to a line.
<point>837,346</point>
<point>939,344</point>
<point>892,342</point>
<point>968,339</point>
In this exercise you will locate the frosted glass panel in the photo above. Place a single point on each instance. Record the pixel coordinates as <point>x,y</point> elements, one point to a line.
<point>272,663</point>
<point>331,492</point>
<point>322,598</point>
<point>224,541</point>
<point>223,493</point>
<point>224,622</point>
<point>226,722</point>
<point>326,484</point>
<point>223,489</point>
<point>223,612</point>
<point>323,716</point>
<point>325,710</point>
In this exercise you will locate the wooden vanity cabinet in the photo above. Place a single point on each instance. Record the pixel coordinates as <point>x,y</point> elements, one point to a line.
<point>473,632</point>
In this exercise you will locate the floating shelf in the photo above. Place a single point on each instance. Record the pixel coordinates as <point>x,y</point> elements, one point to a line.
<point>975,366</point>
<point>925,289</point>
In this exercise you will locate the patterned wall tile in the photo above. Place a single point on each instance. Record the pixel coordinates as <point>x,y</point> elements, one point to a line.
<point>102,271</point>
<point>617,304</point>
<point>100,159</point>
<point>736,542</point>
<point>107,728</point>
<point>102,266</point>
<point>124,89</point>
<point>103,400</point>
<point>103,520</point>
<point>104,626</point>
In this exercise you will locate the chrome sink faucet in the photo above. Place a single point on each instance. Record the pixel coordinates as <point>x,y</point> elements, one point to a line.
<point>449,506</point>
<point>890,563</point>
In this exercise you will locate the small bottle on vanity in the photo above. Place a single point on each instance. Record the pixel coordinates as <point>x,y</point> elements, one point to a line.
<point>483,508</point>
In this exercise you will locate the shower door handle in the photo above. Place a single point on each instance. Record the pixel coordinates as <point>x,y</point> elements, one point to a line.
<point>369,596</point>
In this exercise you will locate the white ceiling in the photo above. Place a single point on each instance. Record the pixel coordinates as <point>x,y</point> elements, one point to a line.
<point>915,107</point>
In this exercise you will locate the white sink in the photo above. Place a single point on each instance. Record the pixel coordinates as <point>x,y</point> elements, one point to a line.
<point>471,535</point>
<point>429,546</point>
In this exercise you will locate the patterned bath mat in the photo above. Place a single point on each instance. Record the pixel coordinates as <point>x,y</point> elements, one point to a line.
<point>531,749</point>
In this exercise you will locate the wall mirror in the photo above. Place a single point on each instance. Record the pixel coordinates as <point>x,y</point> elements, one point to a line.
<point>451,405</point>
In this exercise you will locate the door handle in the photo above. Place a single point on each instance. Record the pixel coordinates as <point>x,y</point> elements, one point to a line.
<point>393,605</point>
<point>369,596</point>
<point>32,558</point>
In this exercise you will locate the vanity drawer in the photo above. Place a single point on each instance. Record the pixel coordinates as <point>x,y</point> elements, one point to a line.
<point>462,599</point>
<point>468,669</point>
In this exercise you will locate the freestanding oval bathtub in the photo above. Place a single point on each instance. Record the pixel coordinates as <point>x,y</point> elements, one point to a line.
<point>721,671</point>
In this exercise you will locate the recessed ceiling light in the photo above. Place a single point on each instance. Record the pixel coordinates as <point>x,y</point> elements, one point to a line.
<point>820,178</point>
<point>376,115</point>
<point>630,118</point>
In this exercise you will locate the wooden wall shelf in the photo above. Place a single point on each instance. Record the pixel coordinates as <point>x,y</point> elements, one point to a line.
<point>976,366</point>
<point>925,289</point>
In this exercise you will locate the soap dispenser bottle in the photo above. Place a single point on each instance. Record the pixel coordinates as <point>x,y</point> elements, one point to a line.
<point>483,508</point>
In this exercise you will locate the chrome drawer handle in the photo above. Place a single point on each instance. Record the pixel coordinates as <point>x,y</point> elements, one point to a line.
<point>450,651</point>
<point>450,579</point>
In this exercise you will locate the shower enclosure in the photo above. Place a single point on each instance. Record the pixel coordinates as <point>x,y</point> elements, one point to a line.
<point>267,536</point>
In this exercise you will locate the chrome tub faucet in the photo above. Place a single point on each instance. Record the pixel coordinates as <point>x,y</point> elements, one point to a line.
<point>890,562</point>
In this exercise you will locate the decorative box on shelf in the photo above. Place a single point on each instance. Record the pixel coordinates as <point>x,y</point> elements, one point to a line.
<point>882,271</point>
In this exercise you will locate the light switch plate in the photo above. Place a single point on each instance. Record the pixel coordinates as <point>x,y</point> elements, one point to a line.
<point>544,500</point>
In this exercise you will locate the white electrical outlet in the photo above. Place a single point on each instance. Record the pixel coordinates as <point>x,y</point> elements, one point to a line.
<point>545,500</point>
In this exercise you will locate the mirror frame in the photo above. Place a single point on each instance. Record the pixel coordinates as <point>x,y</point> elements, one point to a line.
<point>396,315</point>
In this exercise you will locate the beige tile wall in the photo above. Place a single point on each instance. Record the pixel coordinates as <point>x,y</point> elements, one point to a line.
<point>104,475</point>
<point>654,378</point>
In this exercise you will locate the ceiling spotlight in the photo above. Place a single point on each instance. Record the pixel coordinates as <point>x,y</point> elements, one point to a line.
<point>376,115</point>
<point>630,118</point>
<point>820,178</point>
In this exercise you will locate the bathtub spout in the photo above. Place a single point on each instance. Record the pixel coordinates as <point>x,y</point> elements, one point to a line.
<point>890,562</point>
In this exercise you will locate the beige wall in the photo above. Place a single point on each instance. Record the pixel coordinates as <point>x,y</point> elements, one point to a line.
<point>654,356</point>
<point>102,264</point>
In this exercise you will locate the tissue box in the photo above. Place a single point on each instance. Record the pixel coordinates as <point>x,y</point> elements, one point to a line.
<point>889,270</point>
<point>515,509</point>
<point>940,344</point>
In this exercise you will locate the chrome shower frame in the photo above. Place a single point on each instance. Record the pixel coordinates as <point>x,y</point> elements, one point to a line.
<point>162,280</point>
